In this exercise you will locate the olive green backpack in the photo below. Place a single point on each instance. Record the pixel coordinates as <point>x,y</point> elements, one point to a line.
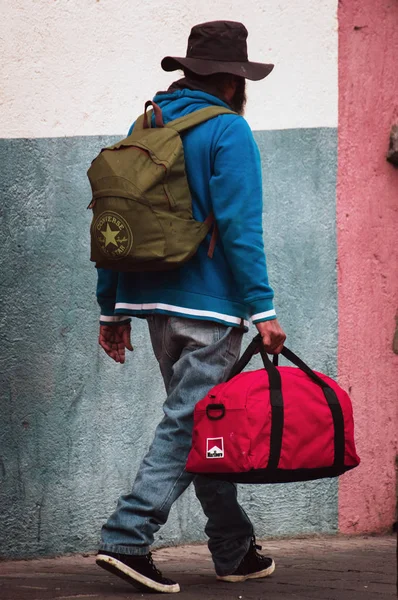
<point>142,208</point>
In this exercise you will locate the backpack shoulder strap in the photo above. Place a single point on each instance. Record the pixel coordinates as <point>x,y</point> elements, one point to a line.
<point>199,116</point>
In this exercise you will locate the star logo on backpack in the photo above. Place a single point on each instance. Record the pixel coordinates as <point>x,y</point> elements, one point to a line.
<point>112,235</point>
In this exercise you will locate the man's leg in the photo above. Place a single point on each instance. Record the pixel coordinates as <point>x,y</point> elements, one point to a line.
<point>229,529</point>
<point>194,356</point>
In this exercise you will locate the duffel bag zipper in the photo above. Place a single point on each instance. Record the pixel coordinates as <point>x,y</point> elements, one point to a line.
<point>226,388</point>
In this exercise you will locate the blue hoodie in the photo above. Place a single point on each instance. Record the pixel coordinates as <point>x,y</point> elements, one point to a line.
<point>224,174</point>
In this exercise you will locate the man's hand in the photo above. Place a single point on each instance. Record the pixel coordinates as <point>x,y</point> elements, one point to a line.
<point>273,336</point>
<point>114,339</point>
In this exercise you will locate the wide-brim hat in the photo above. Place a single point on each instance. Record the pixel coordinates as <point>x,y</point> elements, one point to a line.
<point>218,47</point>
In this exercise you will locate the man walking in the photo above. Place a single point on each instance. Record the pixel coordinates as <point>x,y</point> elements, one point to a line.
<point>196,314</point>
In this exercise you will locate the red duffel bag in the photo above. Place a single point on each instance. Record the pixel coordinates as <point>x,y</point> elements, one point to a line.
<point>273,425</point>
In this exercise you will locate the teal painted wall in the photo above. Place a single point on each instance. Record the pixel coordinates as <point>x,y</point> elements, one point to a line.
<point>73,425</point>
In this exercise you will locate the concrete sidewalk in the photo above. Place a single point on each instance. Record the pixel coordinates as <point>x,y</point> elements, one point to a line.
<point>327,568</point>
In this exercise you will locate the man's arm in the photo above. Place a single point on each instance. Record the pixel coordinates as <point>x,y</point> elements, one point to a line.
<point>115,330</point>
<point>236,191</point>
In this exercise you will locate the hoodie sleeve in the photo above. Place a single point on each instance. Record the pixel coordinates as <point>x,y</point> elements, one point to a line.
<point>236,193</point>
<point>106,291</point>
<point>106,297</point>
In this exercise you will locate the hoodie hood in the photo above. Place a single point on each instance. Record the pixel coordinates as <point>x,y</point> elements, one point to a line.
<point>183,102</point>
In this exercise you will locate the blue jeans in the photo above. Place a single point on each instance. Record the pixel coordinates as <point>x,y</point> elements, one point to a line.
<point>194,356</point>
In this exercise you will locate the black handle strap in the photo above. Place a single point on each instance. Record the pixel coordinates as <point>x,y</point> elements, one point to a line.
<point>276,398</point>
<point>246,357</point>
<point>293,358</point>
<point>256,346</point>
<point>277,411</point>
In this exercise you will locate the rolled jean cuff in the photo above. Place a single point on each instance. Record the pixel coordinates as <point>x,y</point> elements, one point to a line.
<point>130,550</point>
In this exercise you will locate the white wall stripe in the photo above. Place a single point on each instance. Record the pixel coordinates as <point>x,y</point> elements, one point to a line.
<point>86,68</point>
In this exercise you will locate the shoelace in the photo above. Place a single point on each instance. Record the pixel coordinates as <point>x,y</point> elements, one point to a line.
<point>156,570</point>
<point>153,566</point>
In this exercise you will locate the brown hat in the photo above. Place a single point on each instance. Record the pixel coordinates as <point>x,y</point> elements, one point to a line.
<point>218,47</point>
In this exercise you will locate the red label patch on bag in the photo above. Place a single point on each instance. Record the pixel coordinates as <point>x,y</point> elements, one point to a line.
<point>215,447</point>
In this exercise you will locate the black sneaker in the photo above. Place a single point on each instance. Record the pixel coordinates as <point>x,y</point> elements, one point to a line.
<point>140,571</point>
<point>253,566</point>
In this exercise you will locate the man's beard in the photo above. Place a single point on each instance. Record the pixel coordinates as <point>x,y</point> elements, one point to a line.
<point>238,102</point>
<point>214,85</point>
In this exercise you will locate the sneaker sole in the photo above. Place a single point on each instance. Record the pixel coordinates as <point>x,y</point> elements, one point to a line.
<point>256,575</point>
<point>142,583</point>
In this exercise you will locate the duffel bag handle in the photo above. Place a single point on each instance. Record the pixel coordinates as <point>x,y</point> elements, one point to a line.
<point>257,346</point>
<point>295,360</point>
<point>253,348</point>
<point>246,357</point>
<point>298,362</point>
<point>276,398</point>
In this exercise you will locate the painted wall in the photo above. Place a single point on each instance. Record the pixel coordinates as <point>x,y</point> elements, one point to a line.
<point>73,425</point>
<point>90,65</point>
<point>367,221</point>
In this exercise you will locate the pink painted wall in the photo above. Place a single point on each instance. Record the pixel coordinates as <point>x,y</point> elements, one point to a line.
<point>367,227</point>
